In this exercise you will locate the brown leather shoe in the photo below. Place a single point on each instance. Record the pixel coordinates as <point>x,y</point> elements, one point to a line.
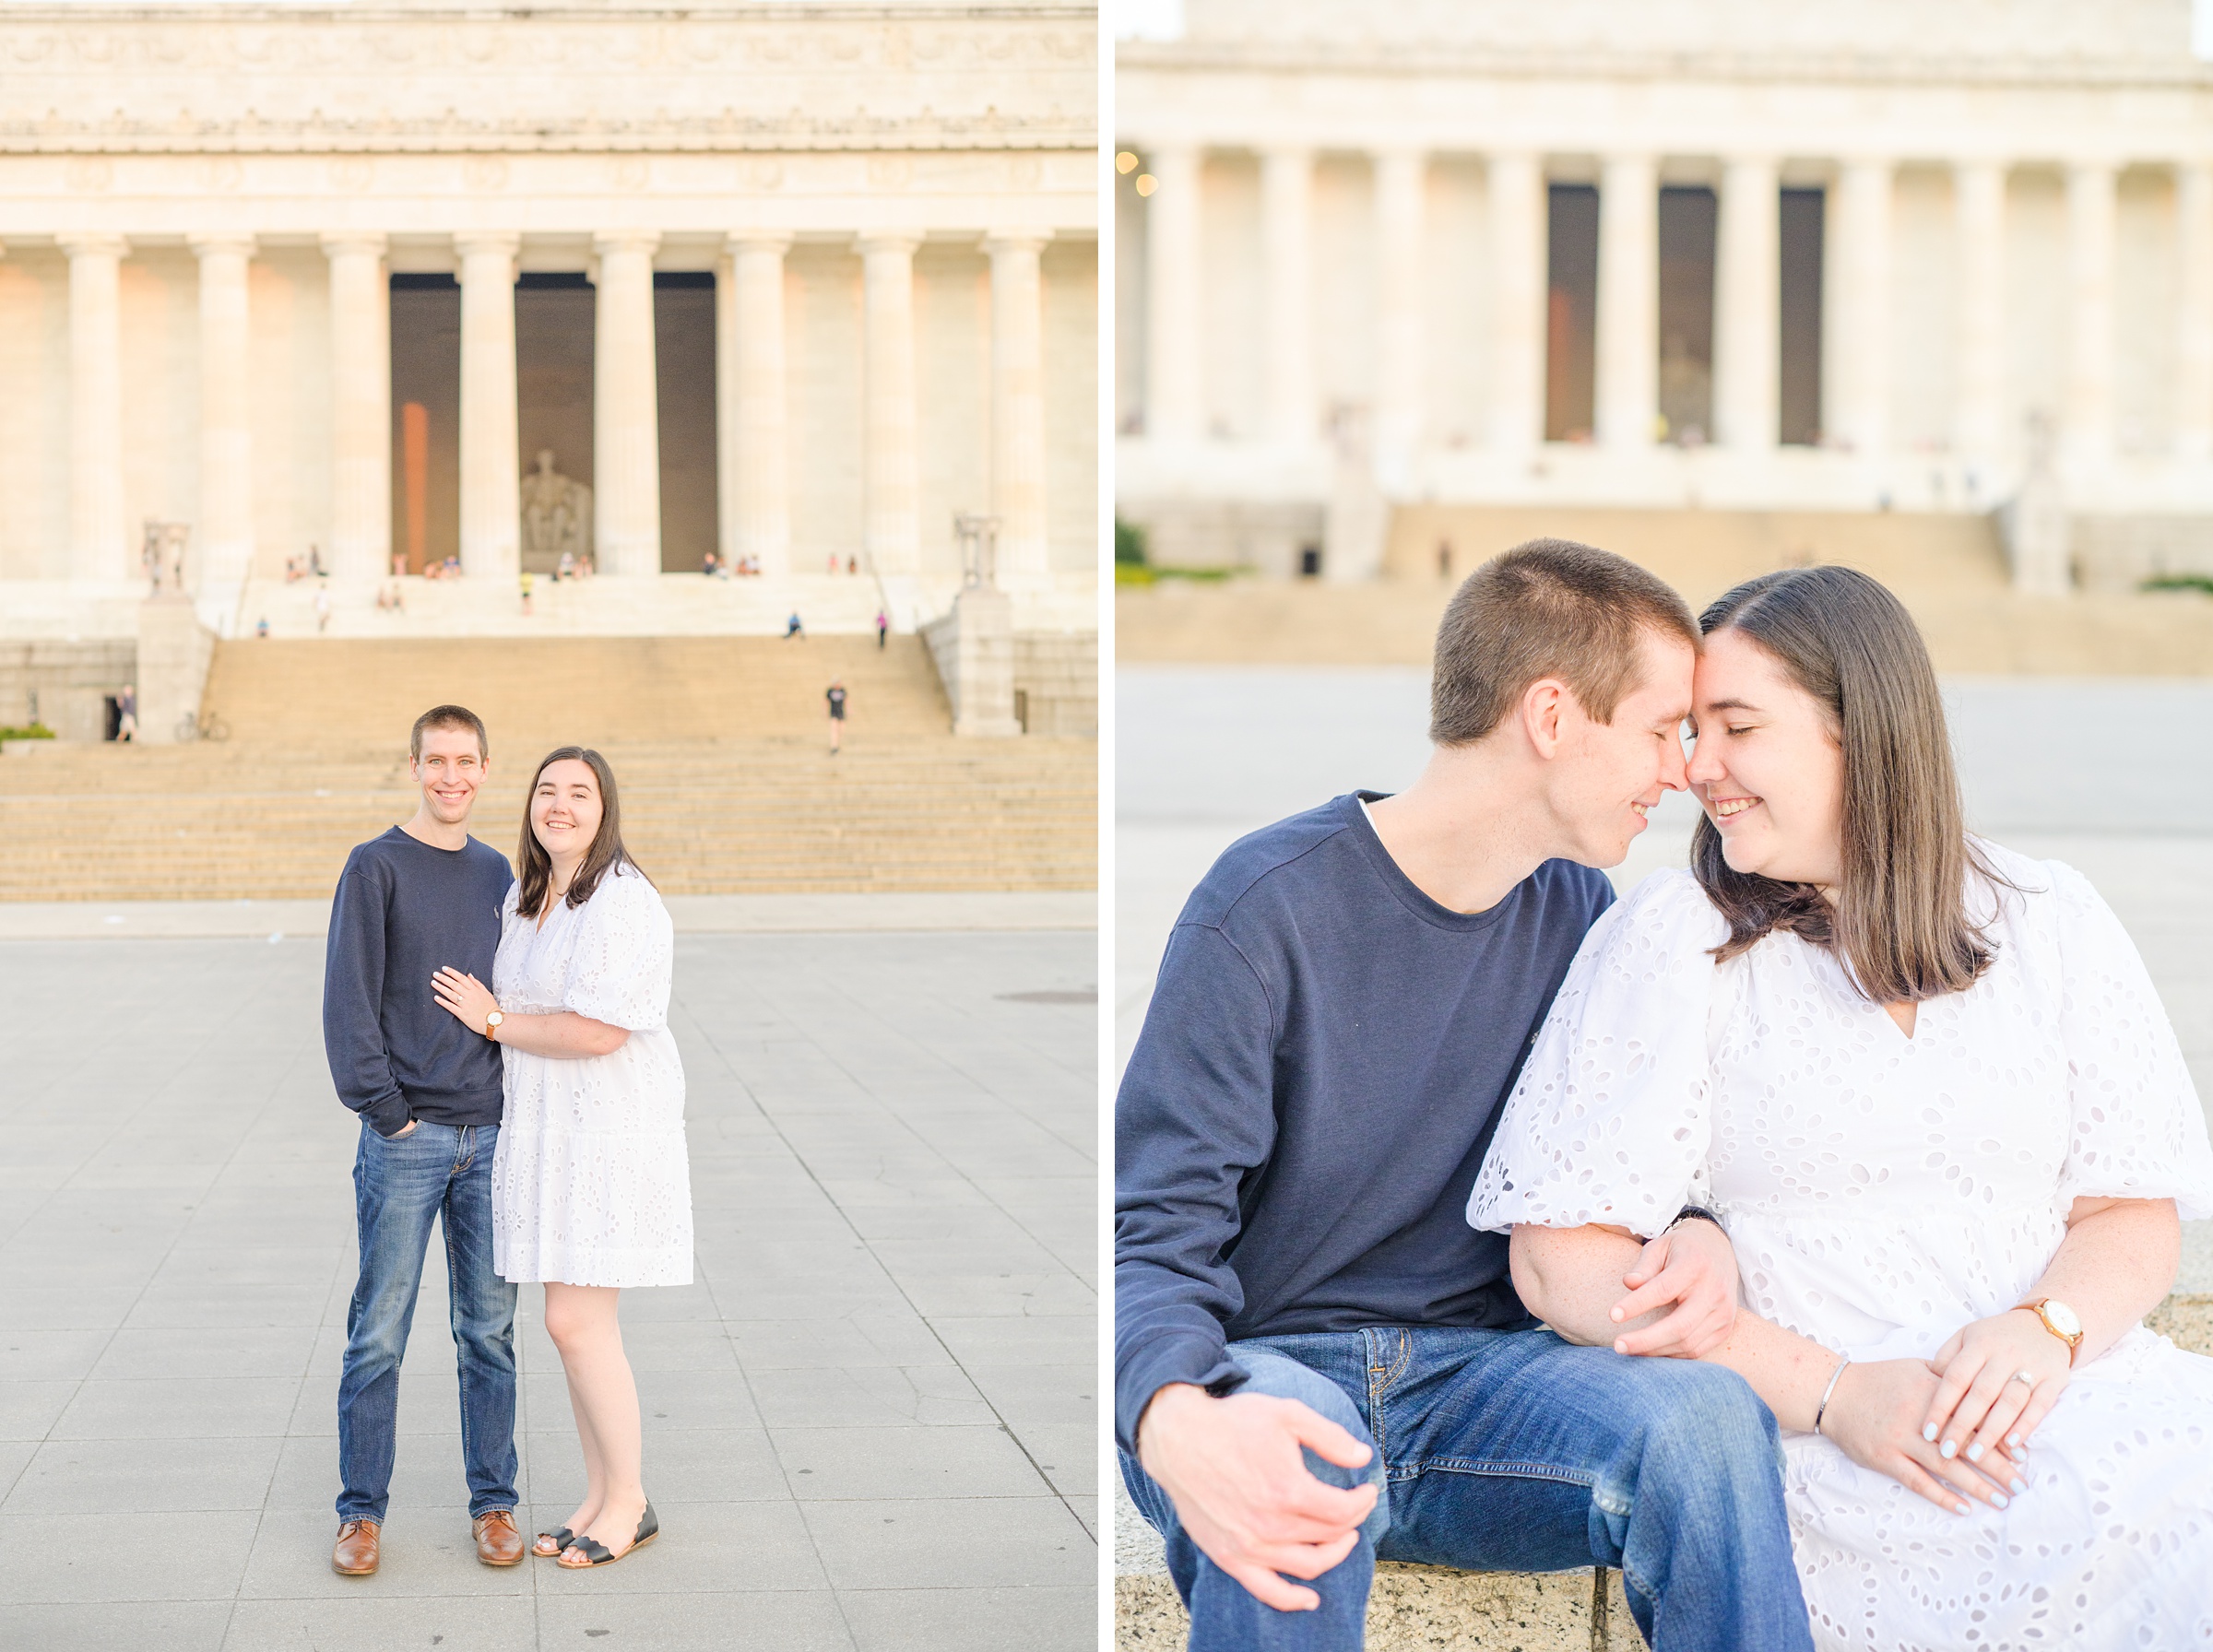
<point>355,1556</point>
<point>498,1542</point>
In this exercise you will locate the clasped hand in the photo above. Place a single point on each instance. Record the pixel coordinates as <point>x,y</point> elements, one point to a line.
<point>1693,1266</point>
<point>1957,1426</point>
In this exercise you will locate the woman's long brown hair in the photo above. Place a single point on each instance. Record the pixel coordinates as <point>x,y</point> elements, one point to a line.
<point>606,853</point>
<point>1900,922</point>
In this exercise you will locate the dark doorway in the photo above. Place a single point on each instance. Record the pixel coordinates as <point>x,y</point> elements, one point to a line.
<point>555,352</point>
<point>1798,395</point>
<point>1310,561</point>
<point>1687,220</point>
<point>683,351</point>
<point>1572,313</point>
<point>426,419</point>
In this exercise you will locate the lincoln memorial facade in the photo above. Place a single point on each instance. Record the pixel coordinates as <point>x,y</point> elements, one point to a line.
<point>1890,256</point>
<point>370,290</point>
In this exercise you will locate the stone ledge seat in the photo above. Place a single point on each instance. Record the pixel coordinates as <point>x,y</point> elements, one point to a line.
<point>1420,1609</point>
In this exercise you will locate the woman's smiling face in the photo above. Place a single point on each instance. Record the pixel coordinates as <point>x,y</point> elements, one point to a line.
<point>565,807</point>
<point>1768,767</point>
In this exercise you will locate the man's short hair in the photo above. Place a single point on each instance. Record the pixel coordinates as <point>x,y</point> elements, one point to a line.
<point>449,716</point>
<point>1549,607</point>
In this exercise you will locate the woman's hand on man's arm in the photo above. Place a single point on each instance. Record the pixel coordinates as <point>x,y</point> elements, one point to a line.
<point>1681,1287</point>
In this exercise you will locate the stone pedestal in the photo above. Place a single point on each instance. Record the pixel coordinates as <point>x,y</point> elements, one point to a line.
<point>973,649</point>
<point>174,652</point>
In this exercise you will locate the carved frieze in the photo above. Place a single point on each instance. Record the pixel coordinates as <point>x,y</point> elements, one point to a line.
<point>718,75</point>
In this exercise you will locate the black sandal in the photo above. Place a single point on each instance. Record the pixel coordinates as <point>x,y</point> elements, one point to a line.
<point>597,1553</point>
<point>562,1536</point>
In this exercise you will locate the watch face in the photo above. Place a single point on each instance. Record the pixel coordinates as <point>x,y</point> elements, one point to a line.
<point>2063,1318</point>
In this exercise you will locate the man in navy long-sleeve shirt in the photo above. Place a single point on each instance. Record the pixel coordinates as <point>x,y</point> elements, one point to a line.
<point>1317,1361</point>
<point>422,897</point>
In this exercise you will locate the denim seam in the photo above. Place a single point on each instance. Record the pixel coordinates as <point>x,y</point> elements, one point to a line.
<point>453,1284</point>
<point>1456,1464</point>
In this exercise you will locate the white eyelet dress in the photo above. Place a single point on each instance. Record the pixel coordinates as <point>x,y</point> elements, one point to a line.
<point>1881,1192</point>
<point>590,1183</point>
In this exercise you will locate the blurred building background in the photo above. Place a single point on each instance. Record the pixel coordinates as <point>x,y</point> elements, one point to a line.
<point>1926,288</point>
<point>326,332</point>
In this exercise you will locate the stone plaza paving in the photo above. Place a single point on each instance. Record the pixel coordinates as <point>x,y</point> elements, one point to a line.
<point>870,1423</point>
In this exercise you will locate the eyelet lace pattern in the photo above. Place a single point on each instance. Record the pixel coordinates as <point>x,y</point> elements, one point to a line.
<point>1881,1192</point>
<point>591,1185</point>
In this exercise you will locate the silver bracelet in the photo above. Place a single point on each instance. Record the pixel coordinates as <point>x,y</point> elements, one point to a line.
<point>1822,1408</point>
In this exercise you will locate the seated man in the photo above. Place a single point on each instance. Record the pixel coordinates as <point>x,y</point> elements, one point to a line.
<point>1318,1362</point>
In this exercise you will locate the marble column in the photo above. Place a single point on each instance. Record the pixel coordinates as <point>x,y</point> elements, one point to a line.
<point>2194,352</point>
<point>1628,302</point>
<point>626,426</point>
<point>2087,410</point>
<point>1172,274</point>
<point>1018,408</point>
<point>891,503</point>
<point>1401,184</point>
<point>1518,263</point>
<point>751,407</point>
<point>1747,297</point>
<point>1862,368</point>
<point>1979,190</point>
<point>224,551</point>
<point>492,473</point>
<point>361,414</point>
<point>99,531</point>
<point>1287,259</point>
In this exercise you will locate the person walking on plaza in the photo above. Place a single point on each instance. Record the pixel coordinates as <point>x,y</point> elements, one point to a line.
<point>591,1185</point>
<point>422,896</point>
<point>836,695</point>
<point>126,713</point>
<point>793,628</point>
<point>884,628</point>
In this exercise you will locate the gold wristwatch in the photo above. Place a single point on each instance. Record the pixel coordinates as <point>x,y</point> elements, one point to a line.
<point>2060,1320</point>
<point>492,1024</point>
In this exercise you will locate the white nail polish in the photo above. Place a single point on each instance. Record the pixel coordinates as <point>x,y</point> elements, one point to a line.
<point>2020,1486</point>
<point>1974,1452</point>
<point>1949,1449</point>
<point>2014,1441</point>
<point>1928,1431</point>
<point>1997,1500</point>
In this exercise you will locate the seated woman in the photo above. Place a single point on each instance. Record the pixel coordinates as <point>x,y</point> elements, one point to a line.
<point>1928,1089</point>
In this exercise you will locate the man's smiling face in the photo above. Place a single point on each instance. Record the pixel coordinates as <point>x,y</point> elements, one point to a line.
<point>1617,770</point>
<point>449,771</point>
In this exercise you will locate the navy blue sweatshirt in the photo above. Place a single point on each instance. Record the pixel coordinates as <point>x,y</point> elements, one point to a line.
<point>1320,1070</point>
<point>405,909</point>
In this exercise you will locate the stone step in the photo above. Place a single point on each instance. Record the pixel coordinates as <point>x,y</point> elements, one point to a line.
<point>1419,1608</point>
<point>719,745</point>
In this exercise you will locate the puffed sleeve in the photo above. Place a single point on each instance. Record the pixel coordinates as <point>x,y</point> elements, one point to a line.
<point>2138,1130</point>
<point>1609,1120</point>
<point>625,949</point>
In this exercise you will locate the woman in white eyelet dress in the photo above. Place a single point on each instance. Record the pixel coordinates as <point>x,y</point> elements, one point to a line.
<point>1882,1191</point>
<point>591,1185</point>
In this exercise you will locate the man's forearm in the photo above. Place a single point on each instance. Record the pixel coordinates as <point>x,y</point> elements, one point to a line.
<point>1571,1278</point>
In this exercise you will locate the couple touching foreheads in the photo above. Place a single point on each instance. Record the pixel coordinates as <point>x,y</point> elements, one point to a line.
<point>539,1119</point>
<point>1779,1234</point>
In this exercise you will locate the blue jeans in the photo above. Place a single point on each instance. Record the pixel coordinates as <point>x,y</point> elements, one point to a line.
<point>399,1187</point>
<point>1516,1451</point>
